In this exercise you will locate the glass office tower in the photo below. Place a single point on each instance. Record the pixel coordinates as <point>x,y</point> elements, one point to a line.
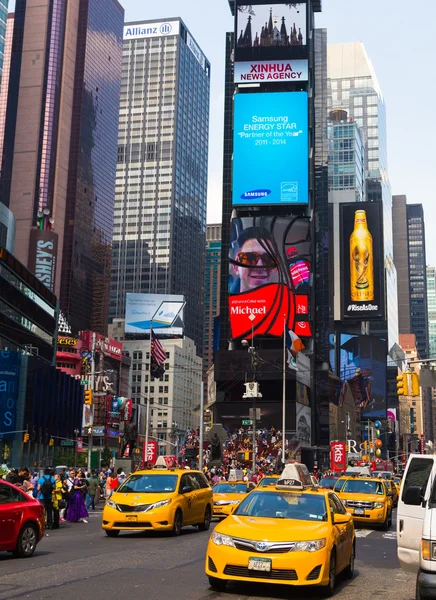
<point>3,19</point>
<point>161,187</point>
<point>431,306</point>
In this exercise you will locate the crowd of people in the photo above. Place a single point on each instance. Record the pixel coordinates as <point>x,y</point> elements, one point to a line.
<point>68,495</point>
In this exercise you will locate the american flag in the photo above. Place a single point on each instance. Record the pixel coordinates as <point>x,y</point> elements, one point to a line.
<point>157,352</point>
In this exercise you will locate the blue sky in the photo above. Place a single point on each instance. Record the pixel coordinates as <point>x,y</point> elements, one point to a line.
<point>400,43</point>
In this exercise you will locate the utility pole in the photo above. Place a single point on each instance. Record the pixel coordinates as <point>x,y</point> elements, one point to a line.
<point>92,384</point>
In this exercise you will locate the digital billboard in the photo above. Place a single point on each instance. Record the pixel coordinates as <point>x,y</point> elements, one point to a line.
<point>270,149</point>
<point>270,31</point>
<point>362,366</point>
<point>362,261</point>
<point>166,310</point>
<point>271,71</point>
<point>269,276</point>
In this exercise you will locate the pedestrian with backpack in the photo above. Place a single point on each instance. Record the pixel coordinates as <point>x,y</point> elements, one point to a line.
<point>46,485</point>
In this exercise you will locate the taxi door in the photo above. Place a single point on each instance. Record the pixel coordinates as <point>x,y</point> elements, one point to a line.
<point>188,500</point>
<point>341,533</point>
<point>204,494</point>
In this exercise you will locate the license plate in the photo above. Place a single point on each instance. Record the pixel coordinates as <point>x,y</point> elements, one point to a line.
<point>259,564</point>
<point>359,511</point>
<point>131,518</point>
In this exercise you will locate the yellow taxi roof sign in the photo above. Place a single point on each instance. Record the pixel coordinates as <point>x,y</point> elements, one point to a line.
<point>294,475</point>
<point>236,475</point>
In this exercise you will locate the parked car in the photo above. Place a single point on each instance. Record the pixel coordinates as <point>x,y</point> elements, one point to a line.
<point>21,521</point>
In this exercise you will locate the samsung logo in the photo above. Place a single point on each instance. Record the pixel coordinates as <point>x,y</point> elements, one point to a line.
<point>255,194</point>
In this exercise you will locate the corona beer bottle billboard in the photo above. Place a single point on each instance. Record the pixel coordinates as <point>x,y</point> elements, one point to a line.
<point>361,260</point>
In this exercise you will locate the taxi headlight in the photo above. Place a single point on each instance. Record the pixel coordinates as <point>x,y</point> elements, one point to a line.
<point>378,504</point>
<point>221,540</point>
<point>159,504</point>
<point>112,504</point>
<point>311,546</point>
<point>234,502</point>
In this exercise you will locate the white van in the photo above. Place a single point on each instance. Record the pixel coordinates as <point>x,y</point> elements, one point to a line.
<point>416,523</point>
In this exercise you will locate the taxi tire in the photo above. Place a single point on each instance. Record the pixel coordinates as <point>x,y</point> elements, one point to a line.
<point>178,523</point>
<point>349,569</point>
<point>112,532</point>
<point>387,523</point>
<point>216,584</point>
<point>207,519</point>
<point>329,589</point>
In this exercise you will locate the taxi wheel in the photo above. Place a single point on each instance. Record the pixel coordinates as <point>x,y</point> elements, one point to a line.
<point>330,588</point>
<point>349,571</point>
<point>386,523</point>
<point>207,518</point>
<point>112,532</point>
<point>178,523</point>
<point>218,585</point>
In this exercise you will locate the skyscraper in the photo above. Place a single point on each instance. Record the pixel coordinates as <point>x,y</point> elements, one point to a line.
<point>401,259</point>
<point>3,20</point>
<point>354,87</point>
<point>160,199</point>
<point>211,292</point>
<point>60,147</point>
<point>431,306</point>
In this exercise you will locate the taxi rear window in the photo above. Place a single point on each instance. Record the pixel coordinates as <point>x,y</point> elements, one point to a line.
<point>359,486</point>
<point>149,484</point>
<point>283,505</point>
<point>268,481</point>
<point>230,488</point>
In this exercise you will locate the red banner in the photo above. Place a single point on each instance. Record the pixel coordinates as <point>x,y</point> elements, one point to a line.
<point>338,456</point>
<point>151,455</point>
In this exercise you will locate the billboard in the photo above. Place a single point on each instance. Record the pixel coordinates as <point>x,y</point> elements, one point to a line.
<point>270,149</point>
<point>166,310</point>
<point>362,261</point>
<point>139,31</point>
<point>303,423</point>
<point>363,368</point>
<point>338,457</point>
<point>270,31</point>
<point>271,71</point>
<point>269,275</point>
<point>43,249</point>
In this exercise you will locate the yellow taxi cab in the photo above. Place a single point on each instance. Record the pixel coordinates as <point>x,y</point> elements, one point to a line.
<point>397,481</point>
<point>290,533</point>
<point>268,480</point>
<point>226,495</point>
<point>390,484</point>
<point>159,500</point>
<point>368,499</point>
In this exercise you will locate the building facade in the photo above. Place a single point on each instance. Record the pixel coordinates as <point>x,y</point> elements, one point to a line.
<point>211,293</point>
<point>431,307</point>
<point>161,186</point>
<point>59,147</point>
<point>401,258</point>
<point>3,20</point>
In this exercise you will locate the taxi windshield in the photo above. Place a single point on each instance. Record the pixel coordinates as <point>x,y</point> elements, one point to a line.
<point>230,488</point>
<point>359,486</point>
<point>268,481</point>
<point>283,505</point>
<point>338,485</point>
<point>149,484</point>
<point>328,482</point>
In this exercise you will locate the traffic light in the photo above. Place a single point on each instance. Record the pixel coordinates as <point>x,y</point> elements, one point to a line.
<point>51,442</point>
<point>415,384</point>
<point>402,388</point>
<point>26,438</point>
<point>88,397</point>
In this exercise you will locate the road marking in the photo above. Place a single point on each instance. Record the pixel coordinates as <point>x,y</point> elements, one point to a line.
<point>362,533</point>
<point>390,535</point>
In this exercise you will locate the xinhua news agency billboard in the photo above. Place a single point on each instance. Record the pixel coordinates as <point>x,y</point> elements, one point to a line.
<point>362,261</point>
<point>166,311</point>
<point>270,149</point>
<point>269,276</point>
<point>270,31</point>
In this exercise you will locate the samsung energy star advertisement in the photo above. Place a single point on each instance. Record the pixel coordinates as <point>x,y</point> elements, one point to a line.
<point>270,149</point>
<point>362,261</point>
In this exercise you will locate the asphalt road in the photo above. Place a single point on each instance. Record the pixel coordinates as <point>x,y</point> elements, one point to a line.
<point>80,562</point>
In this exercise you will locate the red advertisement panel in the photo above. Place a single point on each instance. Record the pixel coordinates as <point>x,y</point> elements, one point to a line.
<point>338,456</point>
<point>151,455</point>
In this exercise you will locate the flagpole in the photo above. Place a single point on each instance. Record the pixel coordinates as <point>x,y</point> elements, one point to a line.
<point>147,410</point>
<point>284,394</point>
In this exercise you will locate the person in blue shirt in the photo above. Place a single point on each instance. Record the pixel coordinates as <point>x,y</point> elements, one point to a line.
<point>46,485</point>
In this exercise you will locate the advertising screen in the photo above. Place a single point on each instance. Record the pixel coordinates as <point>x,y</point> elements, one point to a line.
<point>362,366</point>
<point>166,311</point>
<point>270,149</point>
<point>362,261</point>
<point>271,71</point>
<point>269,275</point>
<point>270,31</point>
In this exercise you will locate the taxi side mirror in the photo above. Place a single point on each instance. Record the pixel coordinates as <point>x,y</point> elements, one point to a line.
<point>339,519</point>
<point>186,489</point>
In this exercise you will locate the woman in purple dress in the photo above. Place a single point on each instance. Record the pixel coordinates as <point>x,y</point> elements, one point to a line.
<point>76,510</point>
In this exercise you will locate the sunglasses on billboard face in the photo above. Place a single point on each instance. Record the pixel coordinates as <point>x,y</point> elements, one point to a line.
<point>251,259</point>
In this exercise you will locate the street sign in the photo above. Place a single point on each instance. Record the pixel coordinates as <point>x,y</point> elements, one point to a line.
<point>84,382</point>
<point>247,422</point>
<point>67,443</point>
